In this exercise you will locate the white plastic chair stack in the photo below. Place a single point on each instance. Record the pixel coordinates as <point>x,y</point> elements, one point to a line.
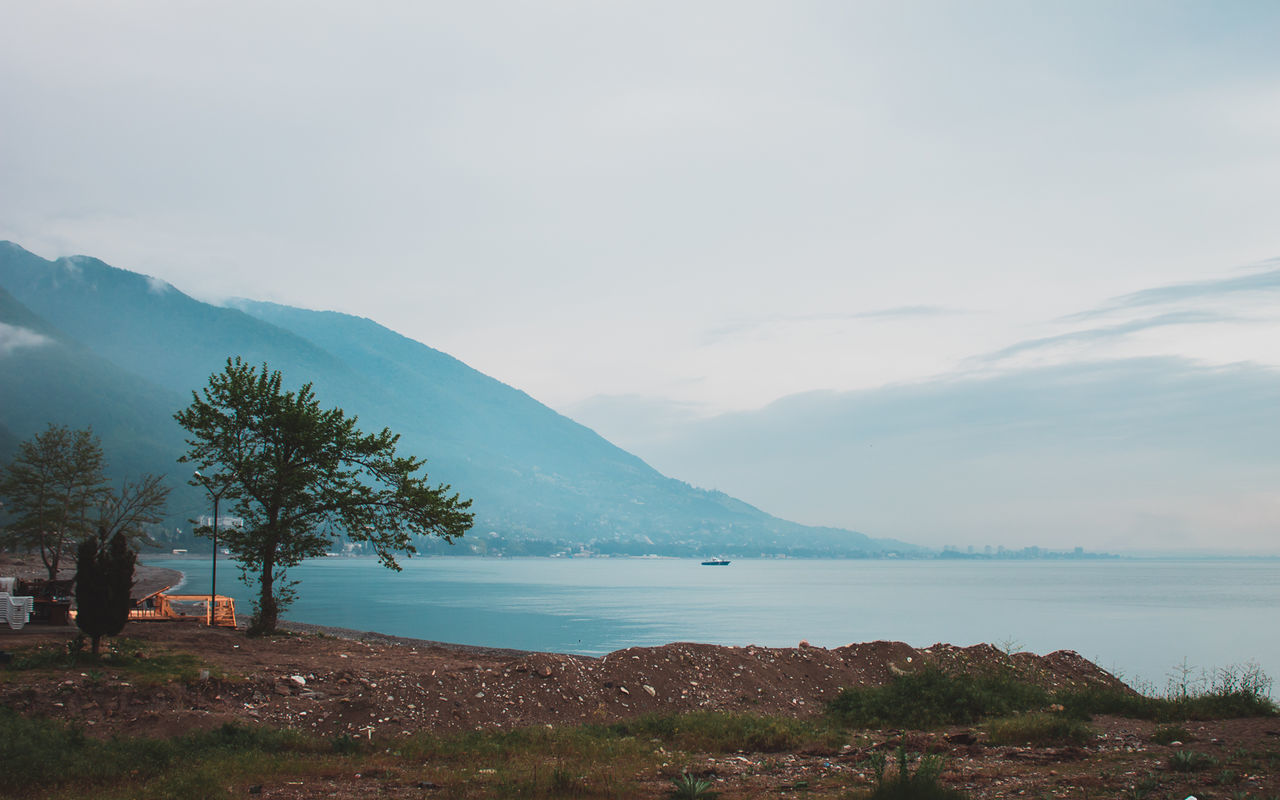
<point>15,611</point>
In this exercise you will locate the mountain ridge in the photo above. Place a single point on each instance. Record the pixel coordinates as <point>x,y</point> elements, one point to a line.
<point>537,476</point>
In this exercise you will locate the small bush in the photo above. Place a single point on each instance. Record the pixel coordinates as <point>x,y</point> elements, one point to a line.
<point>907,785</point>
<point>1190,761</point>
<point>687,787</point>
<point>1039,729</point>
<point>1168,734</point>
<point>345,744</point>
<point>932,698</point>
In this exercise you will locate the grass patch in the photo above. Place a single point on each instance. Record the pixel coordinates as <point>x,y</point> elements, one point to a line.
<point>46,753</point>
<point>1191,761</point>
<point>905,784</point>
<point>141,662</point>
<point>687,787</point>
<point>1229,693</point>
<point>1168,734</point>
<point>1039,729</point>
<point>721,732</point>
<point>932,698</point>
<point>51,759</point>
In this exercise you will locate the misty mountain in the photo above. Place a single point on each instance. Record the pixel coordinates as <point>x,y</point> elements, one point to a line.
<point>89,344</point>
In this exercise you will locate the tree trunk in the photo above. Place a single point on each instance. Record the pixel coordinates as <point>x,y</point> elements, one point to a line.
<point>96,641</point>
<point>49,559</point>
<point>268,610</point>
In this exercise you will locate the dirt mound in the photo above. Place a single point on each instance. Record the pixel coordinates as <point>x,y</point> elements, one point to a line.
<point>346,682</point>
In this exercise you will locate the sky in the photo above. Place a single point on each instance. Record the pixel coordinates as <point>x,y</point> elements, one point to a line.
<point>658,216</point>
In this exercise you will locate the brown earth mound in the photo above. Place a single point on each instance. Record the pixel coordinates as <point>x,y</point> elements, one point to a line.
<point>333,682</point>
<point>349,682</point>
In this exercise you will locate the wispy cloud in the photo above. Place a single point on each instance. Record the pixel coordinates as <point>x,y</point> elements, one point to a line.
<point>1267,281</point>
<point>1107,333</point>
<point>157,286</point>
<point>13,337</point>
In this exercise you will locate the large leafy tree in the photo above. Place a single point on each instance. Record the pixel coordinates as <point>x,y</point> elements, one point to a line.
<point>300,476</point>
<point>56,493</point>
<point>104,579</point>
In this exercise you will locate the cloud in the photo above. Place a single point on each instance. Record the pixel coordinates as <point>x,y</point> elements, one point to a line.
<point>631,419</point>
<point>1108,333</point>
<point>1081,453</point>
<point>1268,281</point>
<point>157,286</point>
<point>13,338</point>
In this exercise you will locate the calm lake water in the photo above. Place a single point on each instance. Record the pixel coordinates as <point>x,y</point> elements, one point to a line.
<point>1138,618</point>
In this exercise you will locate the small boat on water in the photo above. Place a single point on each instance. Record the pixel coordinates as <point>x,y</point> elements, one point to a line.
<point>716,562</point>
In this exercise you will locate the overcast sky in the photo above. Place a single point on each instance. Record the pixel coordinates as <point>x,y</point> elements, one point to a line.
<point>646,212</point>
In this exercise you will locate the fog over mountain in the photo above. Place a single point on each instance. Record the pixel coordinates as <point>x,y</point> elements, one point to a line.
<point>83,343</point>
<point>1126,426</point>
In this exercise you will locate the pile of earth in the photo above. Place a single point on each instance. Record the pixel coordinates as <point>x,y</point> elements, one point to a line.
<point>334,681</point>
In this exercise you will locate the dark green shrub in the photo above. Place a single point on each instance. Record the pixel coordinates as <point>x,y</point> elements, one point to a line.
<point>932,698</point>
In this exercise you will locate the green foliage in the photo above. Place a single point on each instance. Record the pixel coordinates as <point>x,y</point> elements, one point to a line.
<point>1232,692</point>
<point>51,487</point>
<point>723,732</point>
<point>687,787</point>
<point>932,698</point>
<point>43,753</point>
<point>299,475</point>
<point>1190,761</point>
<point>104,577</point>
<point>922,784</point>
<point>126,657</point>
<point>1040,729</point>
<point>1168,734</point>
<point>57,492</point>
<point>345,744</point>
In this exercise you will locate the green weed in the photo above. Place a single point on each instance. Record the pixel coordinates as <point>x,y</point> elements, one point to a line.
<point>141,663</point>
<point>922,784</point>
<point>1040,729</point>
<point>1168,734</point>
<point>1230,693</point>
<point>1191,761</point>
<point>687,787</point>
<point>720,732</point>
<point>932,698</point>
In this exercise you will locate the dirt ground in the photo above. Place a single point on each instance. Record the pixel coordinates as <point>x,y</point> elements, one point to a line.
<point>331,682</point>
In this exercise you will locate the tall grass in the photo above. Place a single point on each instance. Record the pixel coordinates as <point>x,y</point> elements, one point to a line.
<point>1227,693</point>
<point>932,698</point>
